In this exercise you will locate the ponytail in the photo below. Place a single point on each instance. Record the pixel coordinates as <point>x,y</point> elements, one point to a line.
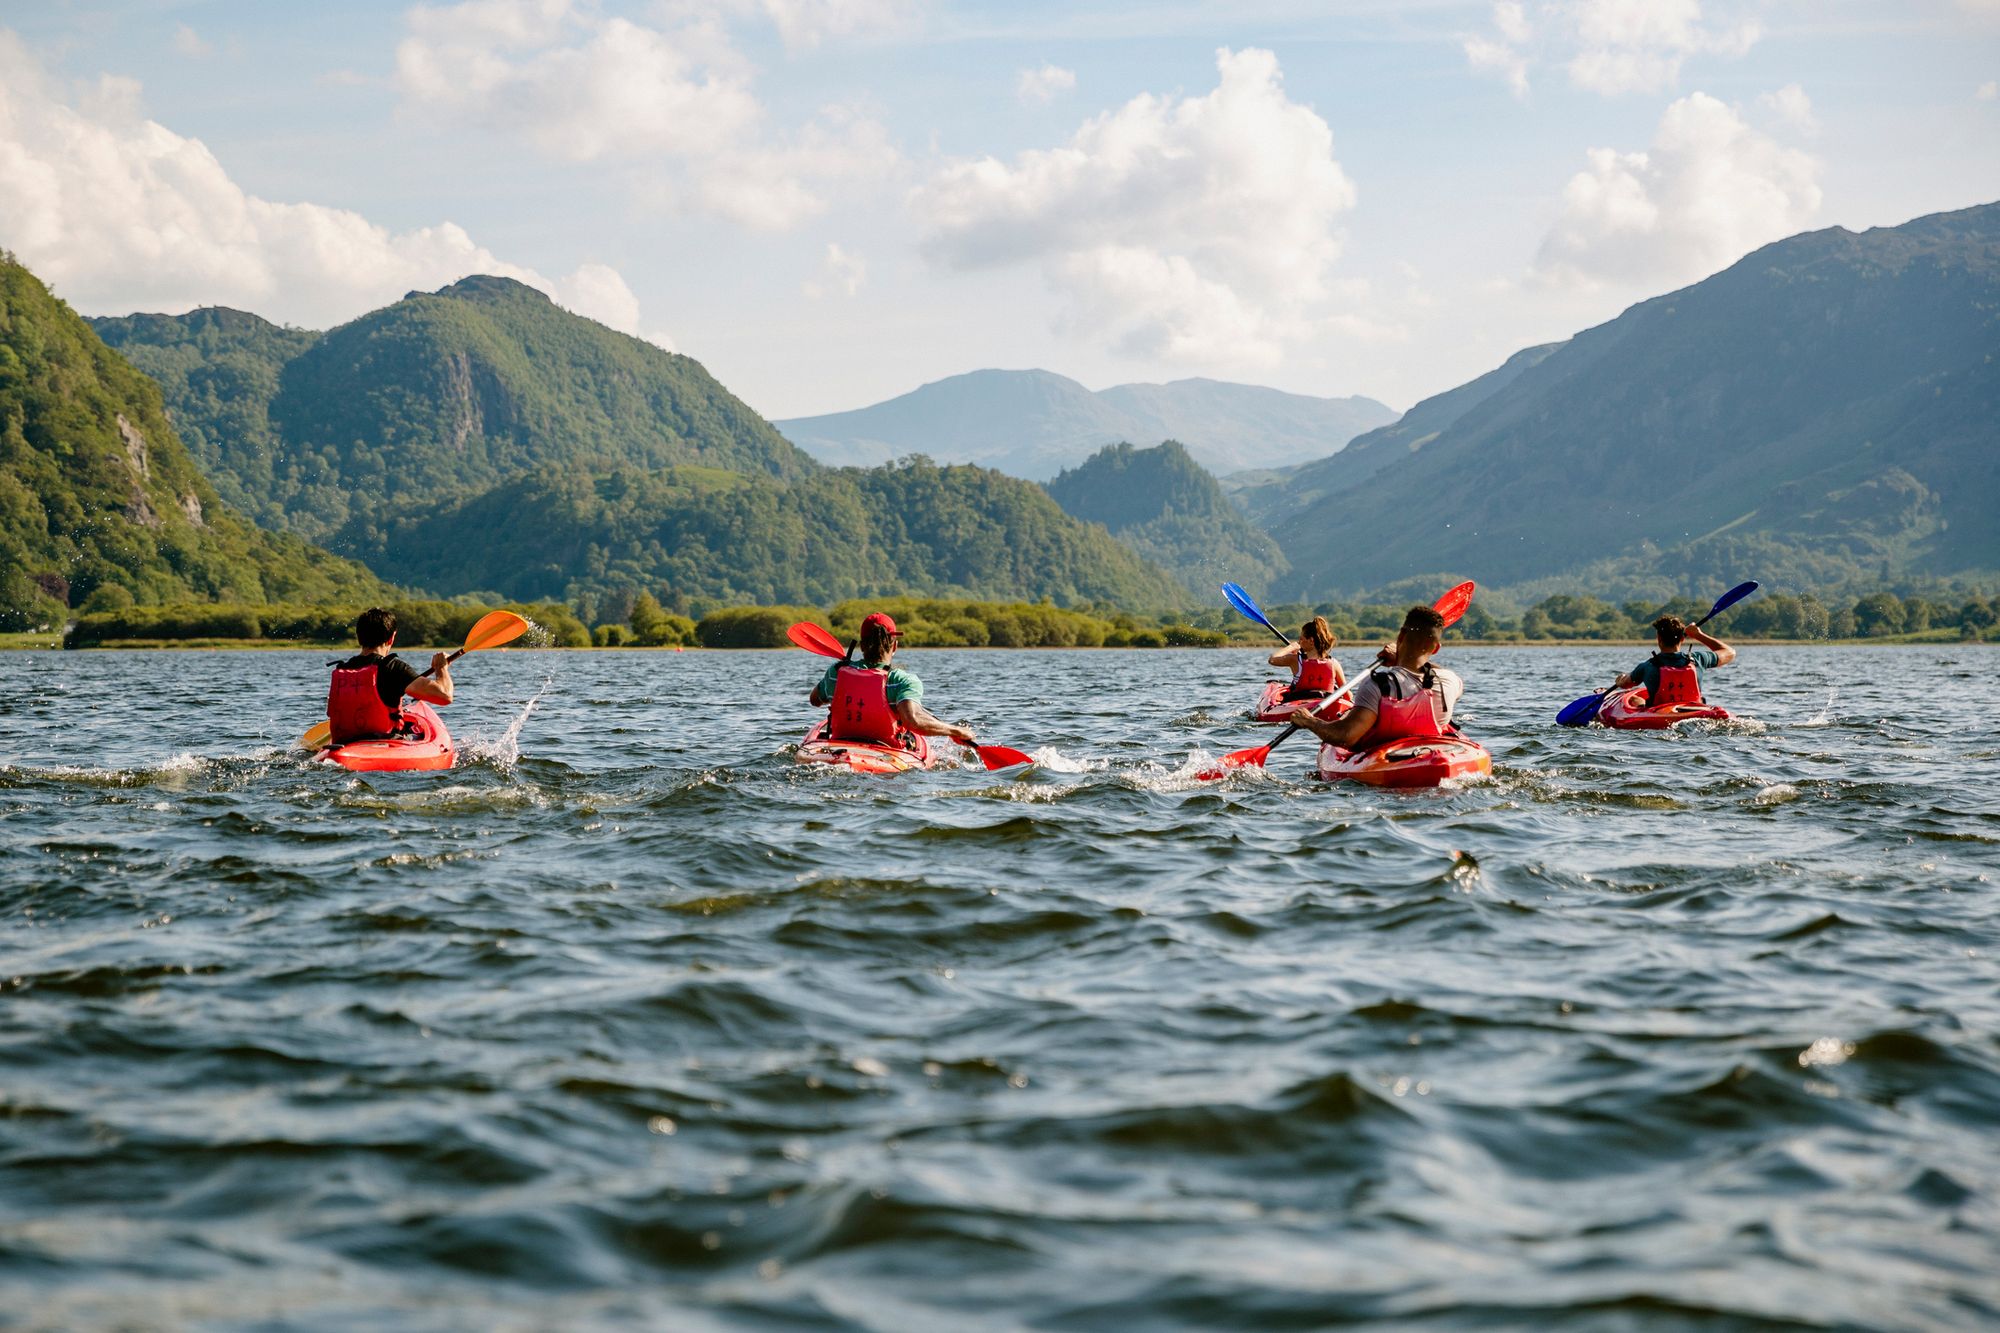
<point>1317,635</point>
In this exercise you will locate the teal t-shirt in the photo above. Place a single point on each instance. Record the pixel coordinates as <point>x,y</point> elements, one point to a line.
<point>902,685</point>
<point>1647,673</point>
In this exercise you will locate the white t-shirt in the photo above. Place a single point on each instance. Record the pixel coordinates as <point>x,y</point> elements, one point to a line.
<point>1368,694</point>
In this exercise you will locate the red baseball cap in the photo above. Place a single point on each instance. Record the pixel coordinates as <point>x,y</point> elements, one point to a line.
<point>883,623</point>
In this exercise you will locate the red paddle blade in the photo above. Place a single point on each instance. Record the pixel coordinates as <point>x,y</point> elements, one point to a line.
<point>1452,605</point>
<point>1253,757</point>
<point>999,756</point>
<point>813,639</point>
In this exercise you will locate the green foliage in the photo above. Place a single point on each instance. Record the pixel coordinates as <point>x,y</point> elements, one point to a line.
<point>753,626</point>
<point>653,627</point>
<point>1162,504</point>
<point>940,623</point>
<point>418,624</point>
<point>718,539</point>
<point>610,636</point>
<point>96,490</point>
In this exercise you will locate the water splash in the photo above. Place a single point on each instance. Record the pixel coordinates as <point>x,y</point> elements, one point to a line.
<point>505,752</point>
<point>1825,716</point>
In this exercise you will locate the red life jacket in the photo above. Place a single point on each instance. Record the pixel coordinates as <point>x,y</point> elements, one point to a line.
<point>1422,714</point>
<point>354,707</point>
<point>1313,675</point>
<point>1679,684</point>
<point>861,709</point>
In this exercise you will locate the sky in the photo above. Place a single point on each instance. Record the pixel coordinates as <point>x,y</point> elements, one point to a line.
<point>830,202</point>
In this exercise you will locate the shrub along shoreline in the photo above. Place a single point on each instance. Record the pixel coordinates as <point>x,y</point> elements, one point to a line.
<point>929,622</point>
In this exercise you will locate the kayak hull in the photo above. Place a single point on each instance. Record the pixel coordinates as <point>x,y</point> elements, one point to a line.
<point>1625,710</point>
<point>1273,707</point>
<point>863,756</point>
<point>428,748</point>
<point>1414,761</point>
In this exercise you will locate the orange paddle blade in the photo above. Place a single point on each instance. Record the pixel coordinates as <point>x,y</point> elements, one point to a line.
<point>1452,605</point>
<point>318,736</point>
<point>813,639</point>
<point>493,629</point>
<point>1253,757</point>
<point>999,756</point>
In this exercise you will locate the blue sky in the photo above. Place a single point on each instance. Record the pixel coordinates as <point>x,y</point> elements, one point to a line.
<point>831,201</point>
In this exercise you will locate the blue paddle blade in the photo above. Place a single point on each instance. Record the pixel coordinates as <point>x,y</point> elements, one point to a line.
<point>1581,713</point>
<point>1247,605</point>
<point>1728,599</point>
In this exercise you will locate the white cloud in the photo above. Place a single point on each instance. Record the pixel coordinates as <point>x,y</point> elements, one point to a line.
<point>188,42</point>
<point>585,88</point>
<point>117,212</point>
<point>1791,108</point>
<point>1709,190</point>
<point>807,22</point>
<point>1199,228</point>
<point>1043,85</point>
<point>840,274</point>
<point>1605,46</point>
<point>1988,91</point>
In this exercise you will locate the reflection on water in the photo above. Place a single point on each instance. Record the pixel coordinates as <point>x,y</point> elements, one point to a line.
<point>629,1019</point>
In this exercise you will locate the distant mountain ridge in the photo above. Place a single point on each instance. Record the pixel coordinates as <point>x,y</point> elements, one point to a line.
<point>1034,423</point>
<point>1162,504</point>
<point>1823,413</point>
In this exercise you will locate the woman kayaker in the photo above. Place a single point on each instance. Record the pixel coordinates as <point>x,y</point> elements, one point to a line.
<point>1314,672</point>
<point>365,699</point>
<point>877,701</point>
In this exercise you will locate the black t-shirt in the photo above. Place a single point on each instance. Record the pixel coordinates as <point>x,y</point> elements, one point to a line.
<point>392,676</point>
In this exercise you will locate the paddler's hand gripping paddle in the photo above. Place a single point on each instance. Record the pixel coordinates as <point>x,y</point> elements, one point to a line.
<point>813,639</point>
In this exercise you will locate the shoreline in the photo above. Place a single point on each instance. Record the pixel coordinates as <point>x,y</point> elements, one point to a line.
<point>53,643</point>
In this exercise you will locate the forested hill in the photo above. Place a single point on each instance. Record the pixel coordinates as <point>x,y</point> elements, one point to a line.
<point>441,394</point>
<point>701,537</point>
<point>1033,423</point>
<point>100,504</point>
<point>1824,413</point>
<point>1162,504</point>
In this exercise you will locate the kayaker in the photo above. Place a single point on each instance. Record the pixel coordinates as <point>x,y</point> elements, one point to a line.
<point>1405,694</point>
<point>364,702</point>
<point>1672,675</point>
<point>1314,672</point>
<point>877,701</point>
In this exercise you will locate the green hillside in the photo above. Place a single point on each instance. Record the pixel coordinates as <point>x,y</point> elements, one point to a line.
<point>1165,506</point>
<point>218,370</point>
<point>1825,412</point>
<point>704,538</point>
<point>438,395</point>
<point>99,501</point>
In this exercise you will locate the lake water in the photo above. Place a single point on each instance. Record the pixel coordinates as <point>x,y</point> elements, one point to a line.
<point>631,1021</point>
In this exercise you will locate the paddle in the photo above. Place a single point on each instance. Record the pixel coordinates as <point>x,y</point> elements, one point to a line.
<point>1583,711</point>
<point>1451,606</point>
<point>1244,603</point>
<point>492,629</point>
<point>814,639</point>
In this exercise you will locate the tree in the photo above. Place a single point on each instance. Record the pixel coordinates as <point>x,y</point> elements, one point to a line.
<point>1879,614</point>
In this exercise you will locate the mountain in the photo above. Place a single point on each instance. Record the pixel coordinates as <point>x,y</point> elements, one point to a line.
<point>1825,412</point>
<point>1162,504</point>
<point>99,501</point>
<point>708,537</point>
<point>218,370</point>
<point>1032,423</point>
<point>441,393</point>
<point>1269,498</point>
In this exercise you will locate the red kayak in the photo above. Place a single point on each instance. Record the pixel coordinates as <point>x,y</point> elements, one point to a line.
<point>864,756</point>
<point>1628,710</point>
<point>1413,761</point>
<point>427,746</point>
<point>1273,706</point>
